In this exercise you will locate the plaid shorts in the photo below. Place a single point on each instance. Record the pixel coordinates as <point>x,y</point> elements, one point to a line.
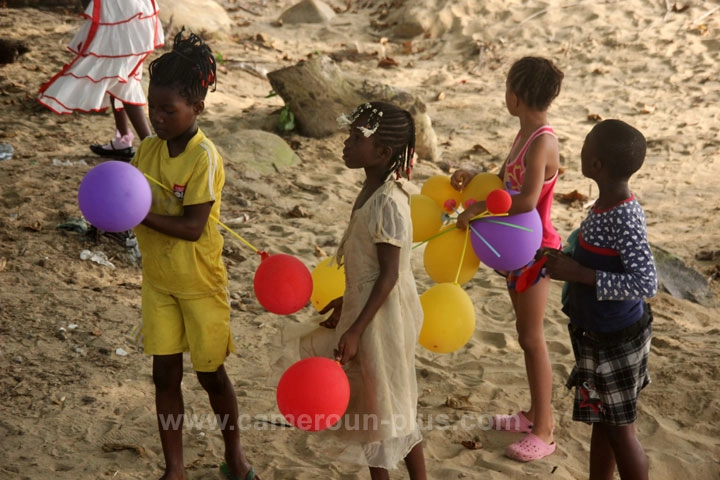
<point>609,372</point>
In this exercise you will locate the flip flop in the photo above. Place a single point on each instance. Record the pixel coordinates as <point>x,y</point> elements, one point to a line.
<point>121,153</point>
<point>517,423</point>
<point>250,475</point>
<point>530,448</point>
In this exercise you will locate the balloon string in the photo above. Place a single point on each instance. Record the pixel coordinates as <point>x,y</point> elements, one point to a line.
<point>435,236</point>
<point>211,216</point>
<point>487,213</point>
<point>487,244</point>
<point>484,214</point>
<point>462,257</point>
<point>510,225</point>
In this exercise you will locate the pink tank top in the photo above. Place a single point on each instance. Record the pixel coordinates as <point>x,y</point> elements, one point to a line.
<point>514,176</point>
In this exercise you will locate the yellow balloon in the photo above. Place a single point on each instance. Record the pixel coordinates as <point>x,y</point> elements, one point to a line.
<point>442,257</point>
<point>480,186</point>
<point>449,318</point>
<point>426,217</point>
<point>328,283</point>
<point>439,189</point>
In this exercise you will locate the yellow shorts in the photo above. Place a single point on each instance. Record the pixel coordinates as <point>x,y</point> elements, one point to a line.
<point>174,325</point>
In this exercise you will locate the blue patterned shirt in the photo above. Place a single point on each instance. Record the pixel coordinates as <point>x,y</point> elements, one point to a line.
<point>614,243</point>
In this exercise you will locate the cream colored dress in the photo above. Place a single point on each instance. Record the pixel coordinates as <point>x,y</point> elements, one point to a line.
<point>382,414</point>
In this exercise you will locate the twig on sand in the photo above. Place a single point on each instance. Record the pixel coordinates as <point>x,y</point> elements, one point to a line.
<point>245,9</point>
<point>705,15</point>
<point>668,10</point>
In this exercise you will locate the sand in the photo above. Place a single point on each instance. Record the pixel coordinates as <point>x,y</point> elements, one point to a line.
<point>76,398</point>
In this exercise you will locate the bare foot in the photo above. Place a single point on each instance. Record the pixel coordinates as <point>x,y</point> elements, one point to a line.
<point>242,472</point>
<point>174,476</point>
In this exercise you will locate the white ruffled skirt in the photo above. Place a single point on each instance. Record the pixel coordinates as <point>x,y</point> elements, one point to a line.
<point>109,49</point>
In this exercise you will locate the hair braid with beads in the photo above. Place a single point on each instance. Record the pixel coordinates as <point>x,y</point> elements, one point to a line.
<point>392,126</point>
<point>190,66</point>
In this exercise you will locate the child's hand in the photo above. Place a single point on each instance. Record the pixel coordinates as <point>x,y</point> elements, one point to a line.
<point>460,178</point>
<point>561,266</point>
<point>336,307</point>
<point>463,219</point>
<point>347,346</point>
<point>473,210</point>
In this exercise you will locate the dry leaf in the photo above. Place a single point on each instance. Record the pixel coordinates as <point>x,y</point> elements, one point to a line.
<point>647,109</point>
<point>458,402</point>
<point>479,148</point>
<point>471,444</point>
<point>298,212</point>
<point>115,447</point>
<point>388,62</point>
<point>571,197</point>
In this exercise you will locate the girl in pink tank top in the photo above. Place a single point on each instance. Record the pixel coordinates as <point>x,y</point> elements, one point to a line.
<point>531,170</point>
<point>515,175</point>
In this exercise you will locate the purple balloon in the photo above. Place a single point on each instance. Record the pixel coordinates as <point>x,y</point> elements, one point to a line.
<point>507,243</point>
<point>114,196</point>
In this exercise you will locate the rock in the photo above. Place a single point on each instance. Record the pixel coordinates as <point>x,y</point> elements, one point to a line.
<point>318,92</point>
<point>10,50</point>
<point>261,151</point>
<point>308,11</point>
<point>679,280</point>
<point>422,19</point>
<point>202,17</point>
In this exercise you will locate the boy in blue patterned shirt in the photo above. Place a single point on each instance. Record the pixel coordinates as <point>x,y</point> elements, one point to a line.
<point>610,272</point>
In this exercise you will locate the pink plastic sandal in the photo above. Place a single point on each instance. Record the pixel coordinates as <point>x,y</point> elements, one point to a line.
<point>530,448</point>
<point>517,423</point>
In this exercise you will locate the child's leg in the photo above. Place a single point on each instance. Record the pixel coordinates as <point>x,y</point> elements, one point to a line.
<point>121,144</point>
<point>224,404</point>
<point>602,457</point>
<point>138,118</point>
<point>167,377</point>
<point>630,458</point>
<point>415,462</point>
<point>530,312</point>
<point>121,119</point>
<point>379,474</point>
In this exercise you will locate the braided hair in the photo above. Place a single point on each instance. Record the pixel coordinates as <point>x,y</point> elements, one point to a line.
<point>190,67</point>
<point>390,126</point>
<point>536,81</point>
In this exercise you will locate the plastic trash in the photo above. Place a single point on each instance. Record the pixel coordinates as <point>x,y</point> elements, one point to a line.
<point>97,257</point>
<point>6,151</point>
<point>67,163</point>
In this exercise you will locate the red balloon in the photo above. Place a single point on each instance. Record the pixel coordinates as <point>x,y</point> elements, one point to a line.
<point>282,283</point>
<point>313,393</point>
<point>498,201</point>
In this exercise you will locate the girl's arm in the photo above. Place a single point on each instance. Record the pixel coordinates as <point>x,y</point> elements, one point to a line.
<point>541,163</point>
<point>189,226</point>
<point>389,260</point>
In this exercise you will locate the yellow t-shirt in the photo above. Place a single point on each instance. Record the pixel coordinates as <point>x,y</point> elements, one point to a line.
<point>172,265</point>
